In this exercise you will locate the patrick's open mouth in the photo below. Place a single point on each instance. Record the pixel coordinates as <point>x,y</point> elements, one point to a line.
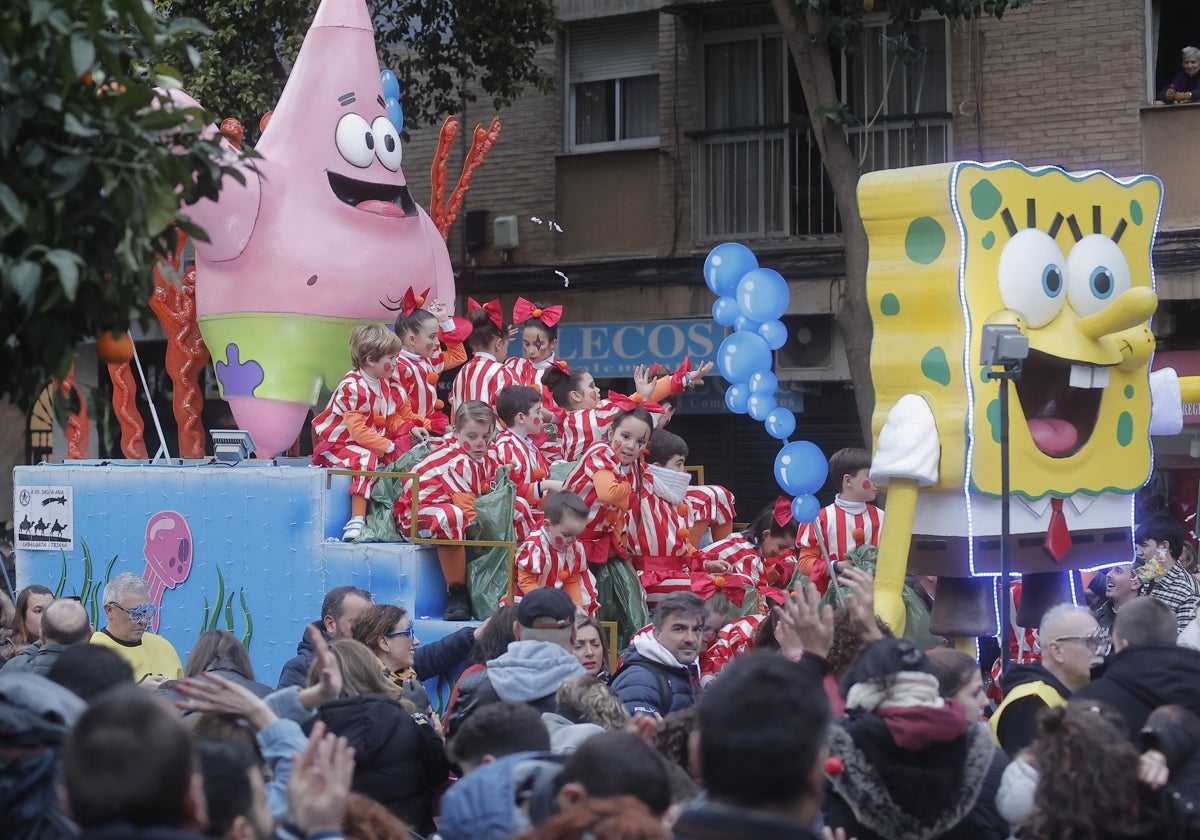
<point>380,199</point>
<point>1061,401</point>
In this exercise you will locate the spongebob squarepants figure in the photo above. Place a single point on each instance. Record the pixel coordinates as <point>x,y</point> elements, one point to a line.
<point>1065,258</point>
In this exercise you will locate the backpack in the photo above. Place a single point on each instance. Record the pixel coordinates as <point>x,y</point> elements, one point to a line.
<point>664,684</point>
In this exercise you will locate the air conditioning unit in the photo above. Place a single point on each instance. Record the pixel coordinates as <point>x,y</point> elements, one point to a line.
<point>814,350</point>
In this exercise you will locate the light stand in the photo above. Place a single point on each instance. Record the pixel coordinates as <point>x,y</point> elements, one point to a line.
<point>1006,348</point>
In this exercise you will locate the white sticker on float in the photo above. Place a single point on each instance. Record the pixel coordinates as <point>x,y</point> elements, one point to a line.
<point>44,518</point>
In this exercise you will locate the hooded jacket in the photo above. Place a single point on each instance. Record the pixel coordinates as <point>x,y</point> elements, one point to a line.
<point>1139,679</point>
<point>528,672</point>
<point>637,683</point>
<point>397,762</point>
<point>1015,725</point>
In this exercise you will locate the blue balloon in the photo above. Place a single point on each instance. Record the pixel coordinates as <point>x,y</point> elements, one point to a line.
<point>763,382</point>
<point>805,508</point>
<point>743,324</point>
<point>725,266</point>
<point>774,333</point>
<point>760,405</point>
<point>763,294</point>
<point>741,354</point>
<point>736,397</point>
<point>800,468</point>
<point>395,114</point>
<point>391,85</point>
<point>725,310</point>
<point>780,423</point>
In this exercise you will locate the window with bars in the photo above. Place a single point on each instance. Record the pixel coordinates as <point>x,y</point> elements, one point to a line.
<point>612,69</point>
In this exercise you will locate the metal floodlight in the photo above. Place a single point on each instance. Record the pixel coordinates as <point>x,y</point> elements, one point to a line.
<point>1003,345</point>
<point>231,446</point>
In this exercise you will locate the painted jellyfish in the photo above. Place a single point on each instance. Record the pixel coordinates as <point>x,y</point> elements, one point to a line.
<point>168,553</point>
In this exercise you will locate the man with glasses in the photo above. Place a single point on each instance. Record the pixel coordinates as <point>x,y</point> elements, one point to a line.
<point>128,612</point>
<point>1072,643</point>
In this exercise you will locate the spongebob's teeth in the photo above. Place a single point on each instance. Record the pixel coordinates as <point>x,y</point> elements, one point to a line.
<point>1086,376</point>
<point>1081,376</point>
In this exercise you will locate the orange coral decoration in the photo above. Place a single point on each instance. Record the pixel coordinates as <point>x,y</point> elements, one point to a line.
<point>133,430</point>
<point>77,423</point>
<point>174,303</point>
<point>444,211</point>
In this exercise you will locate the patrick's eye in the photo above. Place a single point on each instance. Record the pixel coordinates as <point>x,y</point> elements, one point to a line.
<point>1097,272</point>
<point>1032,278</point>
<point>387,143</point>
<point>355,140</point>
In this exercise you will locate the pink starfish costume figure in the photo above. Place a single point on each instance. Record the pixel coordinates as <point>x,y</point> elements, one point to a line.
<point>324,236</point>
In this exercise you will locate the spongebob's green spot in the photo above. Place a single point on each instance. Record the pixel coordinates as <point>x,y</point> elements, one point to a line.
<point>1125,428</point>
<point>989,239</point>
<point>1129,392</point>
<point>935,366</point>
<point>985,374</point>
<point>993,416</point>
<point>889,304</point>
<point>925,240</point>
<point>985,200</point>
<point>1135,212</point>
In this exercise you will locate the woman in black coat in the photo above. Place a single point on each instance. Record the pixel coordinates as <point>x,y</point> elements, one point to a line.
<point>399,759</point>
<point>909,764</point>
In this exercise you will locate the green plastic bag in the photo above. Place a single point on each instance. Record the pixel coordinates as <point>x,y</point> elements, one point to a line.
<point>559,470</point>
<point>916,622</point>
<point>380,525</point>
<point>751,605</point>
<point>621,598</point>
<point>488,569</point>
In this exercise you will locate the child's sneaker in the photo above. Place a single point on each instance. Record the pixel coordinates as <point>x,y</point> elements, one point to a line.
<point>353,529</point>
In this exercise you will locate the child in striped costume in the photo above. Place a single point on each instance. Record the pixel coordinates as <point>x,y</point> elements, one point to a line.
<point>659,539</point>
<point>605,478</point>
<point>710,506</point>
<point>761,556</point>
<point>850,521</point>
<point>586,415</point>
<point>451,478</point>
<point>422,360</point>
<point>361,426</point>
<point>519,407</point>
<point>553,556</point>
<point>484,375</point>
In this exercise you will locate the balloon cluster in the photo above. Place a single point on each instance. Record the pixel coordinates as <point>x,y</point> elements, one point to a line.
<point>752,300</point>
<point>391,98</point>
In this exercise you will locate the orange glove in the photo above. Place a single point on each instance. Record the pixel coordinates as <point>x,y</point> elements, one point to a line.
<point>611,490</point>
<point>364,435</point>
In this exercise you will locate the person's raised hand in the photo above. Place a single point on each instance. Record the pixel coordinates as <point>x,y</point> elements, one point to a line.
<point>644,726</point>
<point>803,615</point>
<point>860,600</point>
<point>319,783</point>
<point>642,383</point>
<point>209,692</point>
<point>329,674</point>
<point>697,375</point>
<point>1152,770</point>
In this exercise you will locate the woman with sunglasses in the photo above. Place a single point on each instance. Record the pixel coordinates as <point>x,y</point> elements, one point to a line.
<point>388,632</point>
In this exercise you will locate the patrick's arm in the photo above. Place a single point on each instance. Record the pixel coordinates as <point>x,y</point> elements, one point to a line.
<point>229,220</point>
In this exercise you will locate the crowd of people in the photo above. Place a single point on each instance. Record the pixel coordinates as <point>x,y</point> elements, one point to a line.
<point>756,694</point>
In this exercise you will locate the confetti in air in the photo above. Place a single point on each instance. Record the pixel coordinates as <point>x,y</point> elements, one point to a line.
<point>550,223</point>
<point>566,280</point>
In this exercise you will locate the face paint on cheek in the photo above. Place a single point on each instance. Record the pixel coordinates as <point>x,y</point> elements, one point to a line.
<point>867,484</point>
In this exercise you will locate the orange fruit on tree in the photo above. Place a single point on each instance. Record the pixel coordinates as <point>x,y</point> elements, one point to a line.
<point>114,349</point>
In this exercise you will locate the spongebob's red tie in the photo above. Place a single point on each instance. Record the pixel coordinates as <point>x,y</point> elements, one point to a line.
<point>1058,537</point>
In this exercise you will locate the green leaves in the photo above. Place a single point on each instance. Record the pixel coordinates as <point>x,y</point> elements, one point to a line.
<point>88,187</point>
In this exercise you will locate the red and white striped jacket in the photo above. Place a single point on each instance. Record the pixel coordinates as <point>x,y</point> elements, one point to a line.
<point>580,429</point>
<point>734,639</point>
<point>832,533</point>
<point>481,378</point>
<point>553,567</point>
<point>446,471</point>
<point>602,517</point>
<point>527,465</point>
<point>741,554</point>
<point>357,393</point>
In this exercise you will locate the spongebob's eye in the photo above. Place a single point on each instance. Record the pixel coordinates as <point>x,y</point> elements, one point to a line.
<point>387,143</point>
<point>1032,279</point>
<point>355,140</point>
<point>1097,272</point>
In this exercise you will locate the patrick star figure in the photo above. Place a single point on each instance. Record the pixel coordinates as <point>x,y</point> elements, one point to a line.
<point>324,235</point>
<point>168,553</point>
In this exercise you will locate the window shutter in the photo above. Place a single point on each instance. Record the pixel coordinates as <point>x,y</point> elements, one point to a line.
<point>613,49</point>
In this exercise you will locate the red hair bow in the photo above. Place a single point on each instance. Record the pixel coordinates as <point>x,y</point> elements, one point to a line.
<point>412,301</point>
<point>523,310</point>
<point>629,403</point>
<point>732,587</point>
<point>783,511</point>
<point>492,308</point>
